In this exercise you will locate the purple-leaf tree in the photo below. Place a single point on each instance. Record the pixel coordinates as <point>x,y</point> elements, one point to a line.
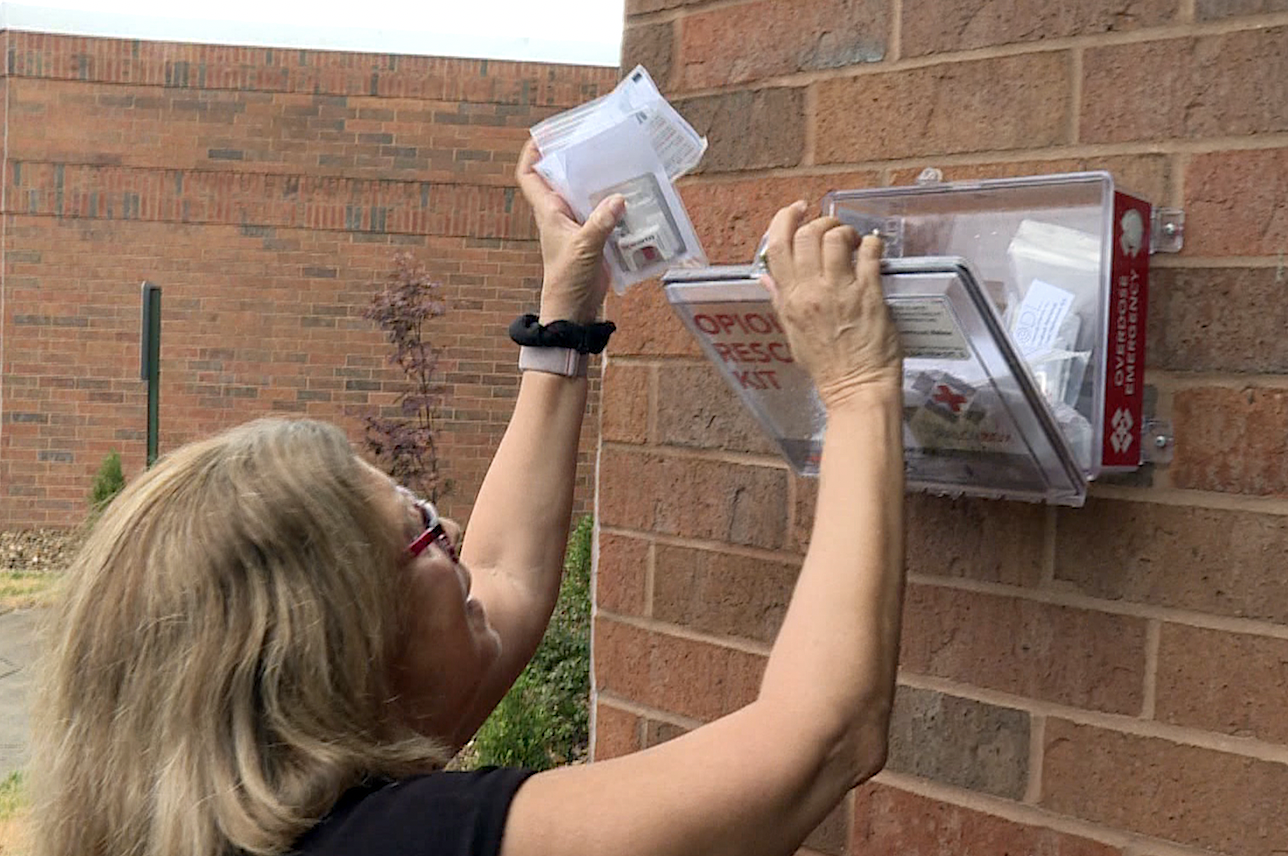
<point>404,443</point>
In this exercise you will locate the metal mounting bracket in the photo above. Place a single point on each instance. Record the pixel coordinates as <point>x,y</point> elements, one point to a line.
<point>1167,230</point>
<point>1158,441</point>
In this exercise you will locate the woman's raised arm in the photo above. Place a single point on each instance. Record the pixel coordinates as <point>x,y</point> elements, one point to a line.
<point>759,780</point>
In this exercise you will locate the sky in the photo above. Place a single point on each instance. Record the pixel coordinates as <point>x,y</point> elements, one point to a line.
<point>564,31</point>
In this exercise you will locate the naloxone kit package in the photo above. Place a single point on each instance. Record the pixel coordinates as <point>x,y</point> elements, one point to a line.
<point>630,142</point>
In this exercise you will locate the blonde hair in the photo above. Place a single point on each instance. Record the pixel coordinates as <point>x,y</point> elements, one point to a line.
<point>218,671</point>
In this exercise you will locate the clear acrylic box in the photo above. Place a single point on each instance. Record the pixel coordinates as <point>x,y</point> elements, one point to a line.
<point>1021,307</point>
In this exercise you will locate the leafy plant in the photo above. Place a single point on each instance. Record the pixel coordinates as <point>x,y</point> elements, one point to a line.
<point>404,444</point>
<point>12,798</point>
<point>108,482</point>
<point>544,720</point>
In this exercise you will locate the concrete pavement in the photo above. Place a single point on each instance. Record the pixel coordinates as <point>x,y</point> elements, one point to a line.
<point>17,656</point>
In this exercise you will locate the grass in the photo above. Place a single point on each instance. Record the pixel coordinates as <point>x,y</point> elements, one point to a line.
<point>26,589</point>
<point>13,804</point>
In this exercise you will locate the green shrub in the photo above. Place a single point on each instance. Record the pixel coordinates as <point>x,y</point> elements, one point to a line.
<point>108,482</point>
<point>544,720</point>
<point>12,799</point>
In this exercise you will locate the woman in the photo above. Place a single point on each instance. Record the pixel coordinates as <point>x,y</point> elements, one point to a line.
<point>268,647</point>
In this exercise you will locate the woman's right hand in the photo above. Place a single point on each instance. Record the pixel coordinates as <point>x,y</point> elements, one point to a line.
<point>831,305</point>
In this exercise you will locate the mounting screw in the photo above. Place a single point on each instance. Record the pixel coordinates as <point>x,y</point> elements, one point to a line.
<point>1161,442</point>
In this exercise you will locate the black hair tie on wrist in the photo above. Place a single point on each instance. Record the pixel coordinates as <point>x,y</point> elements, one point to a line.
<point>582,338</point>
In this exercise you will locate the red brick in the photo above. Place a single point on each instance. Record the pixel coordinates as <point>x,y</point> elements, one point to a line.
<point>1234,203</point>
<point>731,217</point>
<point>1206,560</point>
<point>1069,656</point>
<point>626,403</point>
<point>652,46</point>
<point>889,821</point>
<point>646,324</point>
<point>1212,86</point>
<point>693,679</point>
<point>997,542</point>
<point>620,574</point>
<point>932,26</point>
<point>1207,10</point>
<point>1147,175</point>
<point>753,41</point>
<point>985,105</point>
<point>743,505</point>
<point>749,130</point>
<point>617,732</point>
<point>1200,797</point>
<point>697,409</point>
<point>720,593</point>
<point>960,742</point>
<point>1238,686</point>
<point>1217,320</point>
<point>1231,440</point>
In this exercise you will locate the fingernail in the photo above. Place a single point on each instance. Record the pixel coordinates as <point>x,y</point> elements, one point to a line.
<point>617,206</point>
<point>800,205</point>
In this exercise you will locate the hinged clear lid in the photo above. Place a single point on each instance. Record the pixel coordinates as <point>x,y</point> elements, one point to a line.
<point>974,421</point>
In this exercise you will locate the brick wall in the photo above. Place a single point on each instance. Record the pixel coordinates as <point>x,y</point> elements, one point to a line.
<point>266,192</point>
<point>1096,681</point>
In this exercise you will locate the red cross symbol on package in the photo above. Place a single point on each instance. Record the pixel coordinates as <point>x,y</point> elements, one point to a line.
<point>944,394</point>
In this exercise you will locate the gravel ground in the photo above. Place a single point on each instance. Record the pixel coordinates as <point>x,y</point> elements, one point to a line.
<point>37,550</point>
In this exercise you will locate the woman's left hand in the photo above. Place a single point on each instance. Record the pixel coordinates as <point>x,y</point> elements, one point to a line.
<point>576,279</point>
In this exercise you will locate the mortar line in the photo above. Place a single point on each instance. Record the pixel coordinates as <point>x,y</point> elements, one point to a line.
<point>1186,12</point>
<point>1170,262</point>
<point>1037,750</point>
<point>1030,815</point>
<point>688,634</point>
<point>1153,637</point>
<point>1272,141</point>
<point>1244,747</point>
<point>1055,597</point>
<point>713,455</point>
<point>1173,496</point>
<point>1199,380</point>
<point>645,711</point>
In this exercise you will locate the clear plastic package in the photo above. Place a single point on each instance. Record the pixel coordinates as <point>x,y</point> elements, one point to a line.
<point>631,142</point>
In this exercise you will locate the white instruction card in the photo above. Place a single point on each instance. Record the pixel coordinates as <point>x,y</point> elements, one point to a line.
<point>1040,317</point>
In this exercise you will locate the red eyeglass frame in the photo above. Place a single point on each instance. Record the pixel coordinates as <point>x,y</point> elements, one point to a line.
<point>435,532</point>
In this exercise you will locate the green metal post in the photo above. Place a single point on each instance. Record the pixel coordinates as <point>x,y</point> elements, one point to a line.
<point>152,361</point>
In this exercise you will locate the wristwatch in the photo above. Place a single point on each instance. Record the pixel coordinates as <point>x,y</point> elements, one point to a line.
<point>560,361</point>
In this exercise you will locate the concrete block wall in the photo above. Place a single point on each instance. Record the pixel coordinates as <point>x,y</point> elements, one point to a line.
<point>267,192</point>
<point>1107,681</point>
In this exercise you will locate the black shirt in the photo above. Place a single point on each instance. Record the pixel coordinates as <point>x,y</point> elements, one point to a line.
<point>439,814</point>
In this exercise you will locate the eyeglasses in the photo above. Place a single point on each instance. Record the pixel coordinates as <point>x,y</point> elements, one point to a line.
<point>435,532</point>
